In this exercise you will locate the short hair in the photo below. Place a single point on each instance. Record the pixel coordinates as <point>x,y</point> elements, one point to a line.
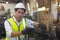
<point>19,8</point>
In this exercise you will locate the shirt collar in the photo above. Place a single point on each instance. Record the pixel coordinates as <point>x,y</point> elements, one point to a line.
<point>15,20</point>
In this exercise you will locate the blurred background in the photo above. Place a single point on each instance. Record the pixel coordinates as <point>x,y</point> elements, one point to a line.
<point>43,11</point>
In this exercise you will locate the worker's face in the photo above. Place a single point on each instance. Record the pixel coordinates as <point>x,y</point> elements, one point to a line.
<point>19,14</point>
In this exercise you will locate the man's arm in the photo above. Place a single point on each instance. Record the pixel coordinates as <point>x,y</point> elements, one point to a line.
<point>35,23</point>
<point>31,24</point>
<point>13,34</point>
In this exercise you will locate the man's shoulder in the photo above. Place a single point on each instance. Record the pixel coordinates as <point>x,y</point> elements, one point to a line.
<point>28,19</point>
<point>7,19</point>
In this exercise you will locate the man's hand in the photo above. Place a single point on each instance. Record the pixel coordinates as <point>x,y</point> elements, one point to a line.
<point>36,24</point>
<point>27,31</point>
<point>13,34</point>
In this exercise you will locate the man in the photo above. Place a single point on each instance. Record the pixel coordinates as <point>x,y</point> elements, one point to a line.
<point>16,25</point>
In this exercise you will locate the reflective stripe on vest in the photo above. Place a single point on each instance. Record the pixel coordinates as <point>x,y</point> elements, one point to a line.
<point>15,26</point>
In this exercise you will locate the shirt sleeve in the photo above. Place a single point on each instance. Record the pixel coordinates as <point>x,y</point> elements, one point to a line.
<point>8,28</point>
<point>29,23</point>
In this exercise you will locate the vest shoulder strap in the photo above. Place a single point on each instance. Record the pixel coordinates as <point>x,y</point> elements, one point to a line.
<point>9,22</point>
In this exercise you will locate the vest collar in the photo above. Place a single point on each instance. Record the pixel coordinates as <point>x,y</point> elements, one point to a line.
<point>16,20</point>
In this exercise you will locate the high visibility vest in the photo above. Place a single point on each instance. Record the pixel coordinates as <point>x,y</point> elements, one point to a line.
<point>15,27</point>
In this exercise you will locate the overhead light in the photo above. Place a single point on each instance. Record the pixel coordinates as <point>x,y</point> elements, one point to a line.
<point>47,8</point>
<point>59,5</point>
<point>28,6</point>
<point>41,9</point>
<point>6,2</point>
<point>37,4</point>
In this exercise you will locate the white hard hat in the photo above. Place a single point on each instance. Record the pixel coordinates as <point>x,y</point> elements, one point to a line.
<point>20,5</point>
